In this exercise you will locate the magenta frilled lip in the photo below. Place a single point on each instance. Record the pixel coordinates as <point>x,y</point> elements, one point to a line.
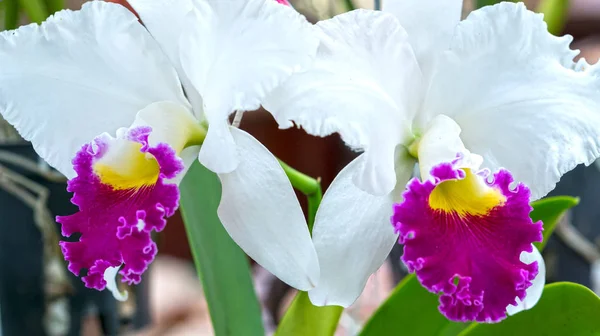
<point>115,223</point>
<point>469,253</point>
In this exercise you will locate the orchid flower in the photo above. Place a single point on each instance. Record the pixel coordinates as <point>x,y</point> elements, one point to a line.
<point>493,109</point>
<point>100,97</point>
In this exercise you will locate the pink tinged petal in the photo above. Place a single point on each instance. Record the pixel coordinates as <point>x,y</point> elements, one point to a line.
<point>116,216</point>
<point>483,226</point>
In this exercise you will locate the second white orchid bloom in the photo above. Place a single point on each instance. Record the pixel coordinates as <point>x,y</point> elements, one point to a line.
<point>100,97</point>
<point>493,93</point>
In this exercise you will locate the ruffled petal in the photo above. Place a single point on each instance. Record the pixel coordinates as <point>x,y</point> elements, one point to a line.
<point>124,190</point>
<point>352,236</point>
<point>235,52</point>
<point>79,74</point>
<point>534,293</point>
<point>261,213</point>
<point>365,85</point>
<point>165,20</point>
<point>521,101</point>
<point>429,25</point>
<point>484,226</point>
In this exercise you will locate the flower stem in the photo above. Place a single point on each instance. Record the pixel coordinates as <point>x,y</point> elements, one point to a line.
<point>302,317</point>
<point>308,186</point>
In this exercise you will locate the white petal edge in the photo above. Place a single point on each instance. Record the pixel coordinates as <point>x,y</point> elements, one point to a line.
<point>235,52</point>
<point>110,276</point>
<point>534,292</point>
<point>353,236</point>
<point>429,25</point>
<point>365,84</point>
<point>79,74</point>
<point>521,101</point>
<point>260,211</point>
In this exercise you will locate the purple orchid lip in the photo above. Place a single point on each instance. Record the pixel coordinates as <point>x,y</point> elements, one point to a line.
<point>463,237</point>
<point>116,223</point>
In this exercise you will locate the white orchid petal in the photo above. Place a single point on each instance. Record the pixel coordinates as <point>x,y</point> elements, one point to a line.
<point>521,101</point>
<point>353,236</point>
<point>235,52</point>
<point>110,276</point>
<point>364,84</point>
<point>534,293</point>
<point>165,20</point>
<point>261,213</point>
<point>429,25</point>
<point>79,74</point>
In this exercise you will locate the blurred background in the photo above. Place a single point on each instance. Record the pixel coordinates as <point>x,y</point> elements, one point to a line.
<point>38,296</point>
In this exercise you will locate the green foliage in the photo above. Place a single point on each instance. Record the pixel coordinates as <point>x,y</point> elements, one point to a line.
<point>11,14</point>
<point>410,309</point>
<point>55,5</point>
<point>35,9</point>
<point>483,3</point>
<point>564,309</point>
<point>302,318</point>
<point>549,211</point>
<point>222,266</point>
<point>555,14</point>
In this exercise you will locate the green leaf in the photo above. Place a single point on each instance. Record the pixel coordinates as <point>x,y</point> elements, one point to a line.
<point>564,309</point>
<point>555,14</point>
<point>222,266</point>
<point>302,318</point>
<point>35,9</point>
<point>11,14</point>
<point>55,5</point>
<point>549,211</point>
<point>483,3</point>
<point>412,309</point>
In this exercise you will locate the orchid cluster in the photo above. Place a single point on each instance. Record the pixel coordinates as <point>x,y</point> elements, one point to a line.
<point>491,111</point>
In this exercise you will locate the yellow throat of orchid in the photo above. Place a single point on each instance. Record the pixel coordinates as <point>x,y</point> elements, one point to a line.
<point>125,167</point>
<point>469,196</point>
